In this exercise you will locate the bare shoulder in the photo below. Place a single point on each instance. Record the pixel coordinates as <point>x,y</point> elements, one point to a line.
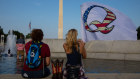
<point>65,46</point>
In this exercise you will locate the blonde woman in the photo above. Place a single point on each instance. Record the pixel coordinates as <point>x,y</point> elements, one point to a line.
<point>75,51</point>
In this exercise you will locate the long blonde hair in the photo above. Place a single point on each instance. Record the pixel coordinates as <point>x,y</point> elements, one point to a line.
<point>71,38</point>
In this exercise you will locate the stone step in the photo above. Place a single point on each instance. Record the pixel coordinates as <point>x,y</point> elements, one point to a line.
<point>90,76</point>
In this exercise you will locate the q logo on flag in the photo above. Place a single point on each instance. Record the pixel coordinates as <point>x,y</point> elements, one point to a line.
<point>102,27</point>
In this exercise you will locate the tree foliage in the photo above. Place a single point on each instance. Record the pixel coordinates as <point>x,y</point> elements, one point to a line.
<point>1,31</point>
<point>17,33</point>
<point>28,36</point>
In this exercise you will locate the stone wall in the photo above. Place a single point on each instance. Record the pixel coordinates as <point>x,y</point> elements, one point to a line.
<point>116,49</point>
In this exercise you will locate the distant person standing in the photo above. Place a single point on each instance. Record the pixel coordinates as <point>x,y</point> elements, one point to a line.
<point>9,52</point>
<point>20,44</point>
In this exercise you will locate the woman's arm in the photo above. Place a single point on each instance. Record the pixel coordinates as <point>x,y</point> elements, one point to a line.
<point>82,48</point>
<point>47,61</point>
<point>65,48</point>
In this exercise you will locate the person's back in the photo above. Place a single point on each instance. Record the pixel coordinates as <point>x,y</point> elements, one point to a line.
<point>74,58</point>
<point>41,70</point>
<point>75,51</point>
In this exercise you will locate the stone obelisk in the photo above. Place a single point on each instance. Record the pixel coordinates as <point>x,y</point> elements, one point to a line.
<point>60,24</point>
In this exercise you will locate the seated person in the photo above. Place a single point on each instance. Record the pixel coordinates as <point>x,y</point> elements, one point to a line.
<point>75,51</point>
<point>36,48</point>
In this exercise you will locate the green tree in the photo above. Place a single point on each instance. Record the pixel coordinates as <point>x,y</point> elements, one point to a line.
<point>28,36</point>
<point>17,33</point>
<point>5,37</point>
<point>1,31</point>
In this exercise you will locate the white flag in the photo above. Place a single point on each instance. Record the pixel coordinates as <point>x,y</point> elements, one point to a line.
<point>100,22</point>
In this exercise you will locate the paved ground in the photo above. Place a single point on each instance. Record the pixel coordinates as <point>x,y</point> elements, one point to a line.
<point>8,65</point>
<point>90,76</point>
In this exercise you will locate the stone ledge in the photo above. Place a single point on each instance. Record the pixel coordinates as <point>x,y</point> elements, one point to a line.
<point>117,56</point>
<point>104,46</point>
<point>89,75</point>
<point>100,49</point>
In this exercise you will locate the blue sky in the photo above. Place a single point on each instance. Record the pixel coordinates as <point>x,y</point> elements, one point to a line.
<point>43,14</point>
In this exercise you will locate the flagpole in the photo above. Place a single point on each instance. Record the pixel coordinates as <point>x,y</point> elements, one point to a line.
<point>30,30</point>
<point>30,26</point>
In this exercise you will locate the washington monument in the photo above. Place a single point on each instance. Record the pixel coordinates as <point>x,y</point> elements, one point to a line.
<point>60,24</point>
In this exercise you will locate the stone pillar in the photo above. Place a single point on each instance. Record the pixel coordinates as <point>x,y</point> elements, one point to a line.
<point>60,23</point>
<point>2,40</point>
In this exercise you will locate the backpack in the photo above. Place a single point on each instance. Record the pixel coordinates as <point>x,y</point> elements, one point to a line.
<point>34,55</point>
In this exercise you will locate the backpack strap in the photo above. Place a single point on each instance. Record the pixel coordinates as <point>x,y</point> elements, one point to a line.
<point>40,46</point>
